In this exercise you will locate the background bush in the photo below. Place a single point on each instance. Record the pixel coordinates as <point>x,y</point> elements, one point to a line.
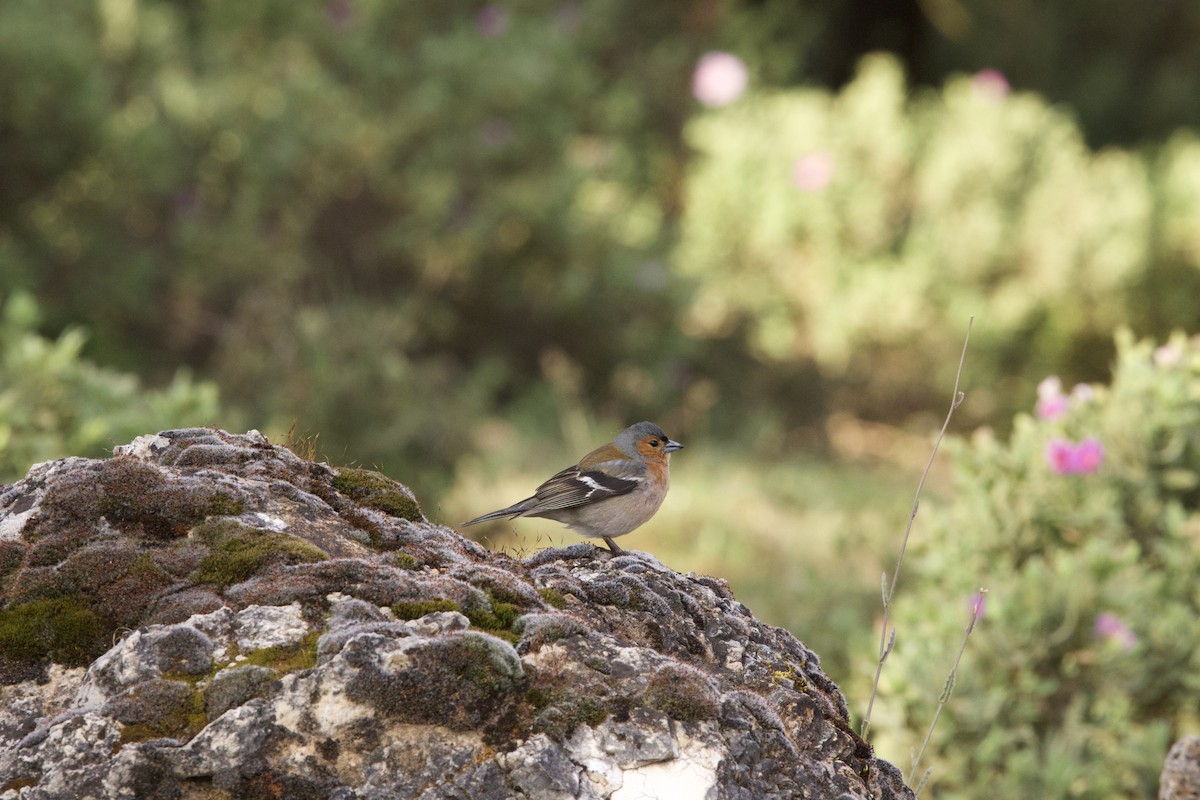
<point>857,232</point>
<point>55,402</point>
<point>1083,669</point>
<point>390,226</point>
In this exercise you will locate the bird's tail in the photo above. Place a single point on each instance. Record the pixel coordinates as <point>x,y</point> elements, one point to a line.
<point>514,510</point>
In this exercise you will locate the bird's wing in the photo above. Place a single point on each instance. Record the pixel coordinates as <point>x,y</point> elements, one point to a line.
<point>576,487</point>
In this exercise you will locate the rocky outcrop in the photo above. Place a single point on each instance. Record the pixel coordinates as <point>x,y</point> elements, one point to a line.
<point>1181,771</point>
<point>209,616</point>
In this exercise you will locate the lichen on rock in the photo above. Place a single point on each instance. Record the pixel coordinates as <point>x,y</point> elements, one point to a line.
<point>206,615</point>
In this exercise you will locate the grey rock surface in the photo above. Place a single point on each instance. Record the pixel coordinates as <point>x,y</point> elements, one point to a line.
<point>206,615</point>
<point>1181,771</point>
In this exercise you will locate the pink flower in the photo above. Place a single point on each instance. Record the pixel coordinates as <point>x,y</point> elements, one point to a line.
<point>978,605</point>
<point>1058,455</point>
<point>491,21</point>
<point>813,171</point>
<point>1051,408</point>
<point>719,79</point>
<point>1052,403</point>
<point>1113,628</point>
<point>1169,355</point>
<point>990,85</point>
<point>1089,455</point>
<point>1068,458</point>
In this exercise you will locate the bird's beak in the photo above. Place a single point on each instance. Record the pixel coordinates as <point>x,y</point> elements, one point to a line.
<point>672,446</point>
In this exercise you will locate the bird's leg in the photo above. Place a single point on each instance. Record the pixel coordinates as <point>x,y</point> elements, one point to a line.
<point>616,551</point>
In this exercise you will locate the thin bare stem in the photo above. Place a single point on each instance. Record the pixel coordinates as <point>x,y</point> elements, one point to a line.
<point>947,690</point>
<point>887,639</point>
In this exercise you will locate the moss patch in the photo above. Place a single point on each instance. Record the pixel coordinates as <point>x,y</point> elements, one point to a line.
<point>64,629</point>
<point>682,693</point>
<point>790,676</point>
<point>402,561</point>
<point>418,609</point>
<point>239,551</point>
<point>286,658</point>
<point>552,597</point>
<point>183,722</point>
<point>499,621</point>
<point>377,491</point>
<point>458,680</point>
<point>561,712</point>
<point>133,496</point>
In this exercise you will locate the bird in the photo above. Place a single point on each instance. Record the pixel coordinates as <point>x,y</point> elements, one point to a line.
<point>611,491</point>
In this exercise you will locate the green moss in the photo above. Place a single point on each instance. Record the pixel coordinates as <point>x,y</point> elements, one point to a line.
<point>239,551</point>
<point>500,618</point>
<point>288,657</point>
<point>682,693</point>
<point>363,522</point>
<point>790,675</point>
<point>404,561</point>
<point>419,608</point>
<point>133,496</point>
<point>222,504</point>
<point>552,597</point>
<point>498,621</point>
<point>482,662</point>
<point>184,723</point>
<point>64,629</point>
<point>377,491</point>
<point>133,492</point>
<point>561,713</point>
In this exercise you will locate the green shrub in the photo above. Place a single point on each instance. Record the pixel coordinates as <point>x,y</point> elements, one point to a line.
<point>858,231</point>
<point>1121,65</point>
<point>1083,669</point>
<point>55,403</point>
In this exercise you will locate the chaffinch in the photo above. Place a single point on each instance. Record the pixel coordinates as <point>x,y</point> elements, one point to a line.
<point>610,492</point>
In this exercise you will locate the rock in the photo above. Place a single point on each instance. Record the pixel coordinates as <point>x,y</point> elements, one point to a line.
<point>208,616</point>
<point>1181,772</point>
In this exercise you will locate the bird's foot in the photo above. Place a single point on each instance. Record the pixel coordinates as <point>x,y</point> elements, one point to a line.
<point>616,551</point>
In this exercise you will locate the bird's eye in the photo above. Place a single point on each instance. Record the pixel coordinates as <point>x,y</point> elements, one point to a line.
<point>654,443</point>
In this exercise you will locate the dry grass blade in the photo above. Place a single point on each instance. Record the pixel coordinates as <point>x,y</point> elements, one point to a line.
<point>887,637</point>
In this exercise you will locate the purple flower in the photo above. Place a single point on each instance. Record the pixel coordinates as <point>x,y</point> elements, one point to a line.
<point>978,605</point>
<point>719,79</point>
<point>813,171</point>
<point>990,85</point>
<point>1113,628</point>
<point>1068,458</point>
<point>491,21</point>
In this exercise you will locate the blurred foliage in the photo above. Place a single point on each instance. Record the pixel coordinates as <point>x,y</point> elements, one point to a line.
<point>54,402</point>
<point>1129,71</point>
<point>351,215</point>
<point>858,231</point>
<point>390,226</point>
<point>1083,668</point>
